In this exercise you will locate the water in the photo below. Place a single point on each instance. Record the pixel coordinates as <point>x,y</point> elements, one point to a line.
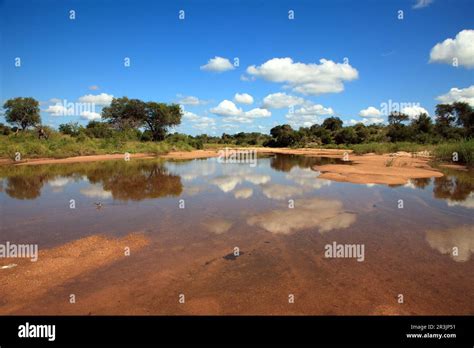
<point>195,213</point>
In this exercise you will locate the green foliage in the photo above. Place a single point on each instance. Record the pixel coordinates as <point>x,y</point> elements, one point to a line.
<point>22,112</point>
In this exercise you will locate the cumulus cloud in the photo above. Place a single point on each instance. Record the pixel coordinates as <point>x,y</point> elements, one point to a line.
<point>366,121</point>
<point>312,79</point>
<point>227,108</point>
<point>460,237</point>
<point>217,225</point>
<point>199,122</point>
<point>307,178</point>
<point>465,95</point>
<point>329,216</point>
<point>281,100</point>
<point>232,113</point>
<point>422,4</point>
<point>280,192</point>
<point>218,64</point>
<point>90,115</point>
<point>308,115</point>
<point>59,110</point>
<point>190,100</point>
<point>243,98</point>
<point>99,99</point>
<point>461,48</point>
<point>370,115</point>
<point>370,112</point>
<point>96,191</point>
<point>414,111</point>
<point>228,183</point>
<point>243,193</point>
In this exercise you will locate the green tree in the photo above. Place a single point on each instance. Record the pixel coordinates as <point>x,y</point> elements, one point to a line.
<point>22,112</point>
<point>124,113</point>
<point>159,117</point>
<point>464,114</point>
<point>71,128</point>
<point>445,121</point>
<point>96,129</point>
<point>397,130</point>
<point>332,123</point>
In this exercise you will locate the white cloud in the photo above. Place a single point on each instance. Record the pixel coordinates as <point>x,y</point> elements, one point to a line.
<point>370,112</point>
<point>96,191</point>
<point>280,192</point>
<point>281,100</point>
<point>200,122</point>
<point>461,48</point>
<point>257,113</point>
<point>227,108</point>
<point>371,115</point>
<point>90,115</point>
<point>366,121</point>
<point>59,110</point>
<point>312,79</point>
<point>190,100</point>
<point>306,116</point>
<point>330,215</point>
<point>218,64</point>
<point>422,4</point>
<point>465,95</point>
<point>99,99</point>
<point>414,111</point>
<point>243,193</point>
<point>243,98</point>
<point>232,113</point>
<point>188,115</point>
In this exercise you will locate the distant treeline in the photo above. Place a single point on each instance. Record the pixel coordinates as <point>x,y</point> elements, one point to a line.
<point>134,119</point>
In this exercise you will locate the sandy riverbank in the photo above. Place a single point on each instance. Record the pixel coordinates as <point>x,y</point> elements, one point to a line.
<point>390,169</point>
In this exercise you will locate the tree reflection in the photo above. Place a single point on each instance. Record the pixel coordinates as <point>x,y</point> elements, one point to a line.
<point>136,180</point>
<point>284,163</point>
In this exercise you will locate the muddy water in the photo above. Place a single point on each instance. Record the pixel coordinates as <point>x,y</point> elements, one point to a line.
<point>194,214</point>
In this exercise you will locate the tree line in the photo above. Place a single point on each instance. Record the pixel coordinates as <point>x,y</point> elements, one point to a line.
<point>452,122</point>
<point>151,121</point>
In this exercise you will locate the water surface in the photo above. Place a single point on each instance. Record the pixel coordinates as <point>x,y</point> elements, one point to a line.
<point>279,215</point>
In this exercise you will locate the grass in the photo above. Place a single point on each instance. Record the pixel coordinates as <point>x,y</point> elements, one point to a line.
<point>61,146</point>
<point>463,149</point>
<point>444,152</point>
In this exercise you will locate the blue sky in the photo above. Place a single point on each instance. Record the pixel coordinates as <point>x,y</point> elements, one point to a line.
<point>63,60</point>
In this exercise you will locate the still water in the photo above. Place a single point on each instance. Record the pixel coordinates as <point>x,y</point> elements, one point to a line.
<point>236,239</point>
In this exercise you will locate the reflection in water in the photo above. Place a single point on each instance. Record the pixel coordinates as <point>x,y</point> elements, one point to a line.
<point>461,238</point>
<point>280,192</point>
<point>285,163</point>
<point>217,226</point>
<point>243,193</point>
<point>25,187</point>
<point>324,214</point>
<point>121,180</point>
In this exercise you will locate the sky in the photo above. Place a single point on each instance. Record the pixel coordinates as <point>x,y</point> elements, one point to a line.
<point>239,65</point>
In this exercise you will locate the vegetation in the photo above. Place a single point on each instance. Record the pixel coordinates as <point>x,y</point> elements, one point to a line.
<point>132,125</point>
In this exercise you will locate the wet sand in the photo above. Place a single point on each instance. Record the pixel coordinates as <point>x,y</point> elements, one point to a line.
<point>259,281</point>
<point>28,282</point>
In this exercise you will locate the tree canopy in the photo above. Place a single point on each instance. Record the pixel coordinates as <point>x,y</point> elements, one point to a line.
<point>22,112</point>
